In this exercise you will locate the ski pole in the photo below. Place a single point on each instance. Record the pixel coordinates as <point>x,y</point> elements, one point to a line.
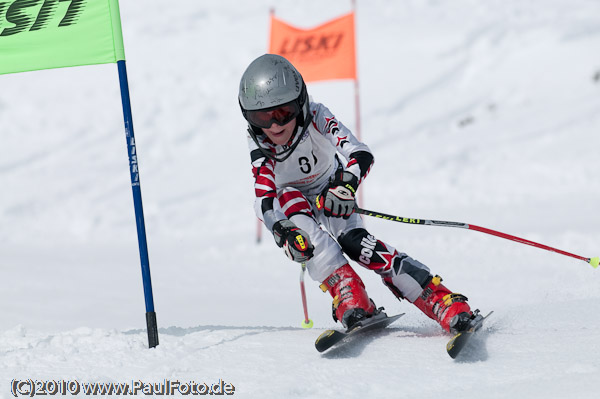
<point>306,323</point>
<point>592,261</point>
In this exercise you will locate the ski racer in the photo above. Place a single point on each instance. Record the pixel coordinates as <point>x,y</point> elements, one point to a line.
<point>307,167</point>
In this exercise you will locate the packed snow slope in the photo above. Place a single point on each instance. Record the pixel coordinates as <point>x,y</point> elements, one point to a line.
<point>477,112</point>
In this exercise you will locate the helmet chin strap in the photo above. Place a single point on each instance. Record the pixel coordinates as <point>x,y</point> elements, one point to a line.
<point>287,152</point>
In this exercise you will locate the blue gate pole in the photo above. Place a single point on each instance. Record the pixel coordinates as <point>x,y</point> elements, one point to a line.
<point>137,203</point>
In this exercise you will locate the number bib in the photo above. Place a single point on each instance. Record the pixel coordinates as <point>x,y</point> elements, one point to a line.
<point>310,165</point>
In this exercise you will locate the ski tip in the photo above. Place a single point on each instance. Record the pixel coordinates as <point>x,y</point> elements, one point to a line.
<point>457,343</point>
<point>595,262</point>
<point>326,334</point>
<point>327,339</point>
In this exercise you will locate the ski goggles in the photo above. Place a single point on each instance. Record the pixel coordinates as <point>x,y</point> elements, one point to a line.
<point>279,115</point>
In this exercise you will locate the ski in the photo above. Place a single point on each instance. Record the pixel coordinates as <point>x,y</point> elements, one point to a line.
<point>331,338</point>
<point>460,340</point>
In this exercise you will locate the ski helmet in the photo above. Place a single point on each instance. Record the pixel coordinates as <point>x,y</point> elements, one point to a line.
<point>273,91</point>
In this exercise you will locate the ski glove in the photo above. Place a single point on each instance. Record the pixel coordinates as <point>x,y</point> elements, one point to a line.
<point>337,199</point>
<point>294,241</point>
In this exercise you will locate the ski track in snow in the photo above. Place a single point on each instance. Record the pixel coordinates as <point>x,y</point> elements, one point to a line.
<point>513,357</point>
<point>477,112</point>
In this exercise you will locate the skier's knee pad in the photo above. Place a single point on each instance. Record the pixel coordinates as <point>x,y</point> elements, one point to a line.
<point>406,274</point>
<point>350,242</point>
<point>367,250</point>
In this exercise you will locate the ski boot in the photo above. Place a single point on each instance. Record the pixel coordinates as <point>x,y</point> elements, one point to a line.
<point>351,303</point>
<point>449,309</point>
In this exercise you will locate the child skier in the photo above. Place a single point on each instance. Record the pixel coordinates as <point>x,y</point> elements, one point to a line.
<point>301,185</point>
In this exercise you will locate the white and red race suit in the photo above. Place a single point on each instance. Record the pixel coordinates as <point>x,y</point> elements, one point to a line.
<point>288,190</point>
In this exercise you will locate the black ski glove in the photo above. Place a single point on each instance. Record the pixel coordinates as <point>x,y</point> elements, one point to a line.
<point>294,241</point>
<point>337,200</point>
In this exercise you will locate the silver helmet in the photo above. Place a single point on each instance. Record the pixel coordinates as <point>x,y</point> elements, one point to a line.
<point>273,91</point>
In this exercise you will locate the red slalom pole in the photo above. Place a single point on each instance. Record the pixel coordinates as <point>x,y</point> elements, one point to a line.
<point>594,262</point>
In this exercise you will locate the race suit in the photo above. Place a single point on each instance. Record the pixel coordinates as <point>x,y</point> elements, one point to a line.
<point>288,189</point>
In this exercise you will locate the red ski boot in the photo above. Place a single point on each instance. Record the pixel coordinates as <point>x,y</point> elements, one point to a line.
<point>447,308</point>
<point>350,300</point>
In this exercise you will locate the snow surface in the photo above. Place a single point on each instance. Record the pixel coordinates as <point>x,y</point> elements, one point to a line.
<point>477,112</point>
